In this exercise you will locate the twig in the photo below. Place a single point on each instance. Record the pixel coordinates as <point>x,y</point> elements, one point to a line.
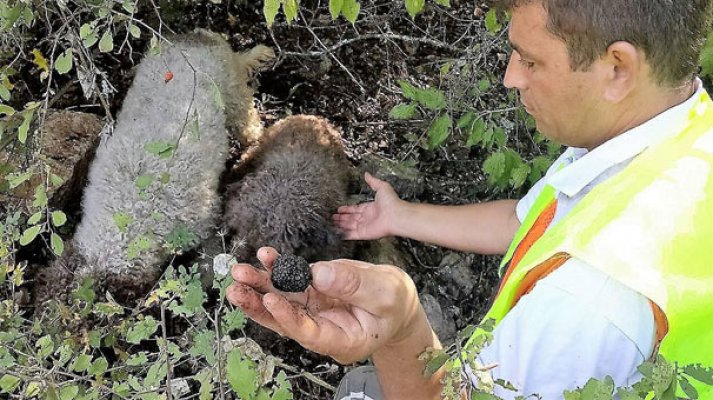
<point>307,375</point>
<point>344,67</point>
<point>169,373</point>
<point>221,390</point>
<point>381,36</point>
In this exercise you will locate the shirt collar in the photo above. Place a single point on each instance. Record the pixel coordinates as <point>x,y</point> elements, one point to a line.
<point>584,167</point>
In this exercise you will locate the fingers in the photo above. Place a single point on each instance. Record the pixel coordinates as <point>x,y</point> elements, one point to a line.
<point>248,275</point>
<point>378,289</point>
<point>267,256</point>
<point>316,333</point>
<point>251,302</point>
<point>374,183</point>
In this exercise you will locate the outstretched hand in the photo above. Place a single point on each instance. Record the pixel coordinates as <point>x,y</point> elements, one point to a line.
<point>372,220</point>
<point>351,310</point>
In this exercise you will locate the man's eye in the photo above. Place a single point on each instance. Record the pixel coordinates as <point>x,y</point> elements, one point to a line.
<point>525,63</point>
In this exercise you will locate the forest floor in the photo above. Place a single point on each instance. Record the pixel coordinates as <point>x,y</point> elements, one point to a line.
<point>349,73</point>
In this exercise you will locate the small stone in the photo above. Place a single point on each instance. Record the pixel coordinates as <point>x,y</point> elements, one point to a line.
<point>291,273</point>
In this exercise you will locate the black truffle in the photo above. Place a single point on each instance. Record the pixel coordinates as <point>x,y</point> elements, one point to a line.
<point>291,273</point>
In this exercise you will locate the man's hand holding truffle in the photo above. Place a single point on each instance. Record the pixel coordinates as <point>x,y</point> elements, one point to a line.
<point>352,311</point>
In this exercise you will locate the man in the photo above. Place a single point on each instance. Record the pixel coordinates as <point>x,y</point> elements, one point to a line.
<point>607,263</point>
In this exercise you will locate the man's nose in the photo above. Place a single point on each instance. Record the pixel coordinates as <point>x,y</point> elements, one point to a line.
<point>514,77</point>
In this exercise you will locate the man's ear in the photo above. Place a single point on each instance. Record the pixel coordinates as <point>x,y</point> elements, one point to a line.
<point>625,65</point>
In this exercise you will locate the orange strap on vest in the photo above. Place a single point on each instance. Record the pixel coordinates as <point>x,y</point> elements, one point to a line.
<point>551,264</point>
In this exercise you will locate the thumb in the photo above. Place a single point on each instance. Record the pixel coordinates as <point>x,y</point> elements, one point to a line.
<point>355,282</point>
<point>374,183</point>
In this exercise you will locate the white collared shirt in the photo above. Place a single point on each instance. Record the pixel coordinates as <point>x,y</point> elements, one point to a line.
<point>577,323</point>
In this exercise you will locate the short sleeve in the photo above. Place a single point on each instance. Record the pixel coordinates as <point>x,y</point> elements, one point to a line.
<point>576,324</point>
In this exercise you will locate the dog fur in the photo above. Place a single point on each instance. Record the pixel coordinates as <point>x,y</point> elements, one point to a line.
<point>207,96</point>
<point>299,176</point>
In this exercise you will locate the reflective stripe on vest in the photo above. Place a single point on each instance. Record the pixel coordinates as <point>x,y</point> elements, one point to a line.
<point>651,228</point>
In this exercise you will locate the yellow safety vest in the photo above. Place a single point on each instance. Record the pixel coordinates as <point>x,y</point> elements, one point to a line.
<point>651,228</point>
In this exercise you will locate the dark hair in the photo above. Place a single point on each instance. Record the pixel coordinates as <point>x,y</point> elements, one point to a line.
<point>671,33</point>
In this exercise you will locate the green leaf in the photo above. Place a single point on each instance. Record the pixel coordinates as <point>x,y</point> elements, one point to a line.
<point>491,21</point>
<point>484,396</point>
<point>688,389</point>
<point>484,85</point>
<point>217,96</point>
<point>519,174</point>
<point>283,389</point>
<point>142,330</point>
<point>9,383</point>
<point>500,138</point>
<point>155,374</point>
<point>25,127</point>
<point>4,93</point>
<point>33,389</point>
<point>403,111</point>
<point>129,6</point>
<point>439,130</point>
<point>290,7</point>
<point>122,220</point>
<point>269,10</point>
<point>29,235</point>
<point>414,7</point>
<point>203,346</point>
<point>435,363</point>
<point>137,360</point>
<point>98,367</point>
<point>68,392</point>
<point>431,98</point>
<point>445,3</point>
<point>134,31</point>
<point>56,180</point>
<point>598,390</point>
<point>699,373</point>
<point>234,320</point>
<point>64,62</point>
<point>466,120</point>
<point>106,44</point>
<point>81,363</point>
<point>335,8</point>
<point>143,181</point>
<point>56,244</point>
<point>350,10</point>
<point>6,110</point>
<point>40,196</point>
<point>154,45</point>
<point>45,346</point>
<point>59,218</point>
<point>17,180</point>
<point>161,149</point>
<point>205,378</point>
<point>88,34</point>
<point>181,238</point>
<point>35,218</point>
<point>494,166</point>
<point>108,309</point>
<point>242,374</point>
<point>662,375</point>
<point>476,132</point>
<point>408,90</point>
<point>627,394</point>
<point>85,291</point>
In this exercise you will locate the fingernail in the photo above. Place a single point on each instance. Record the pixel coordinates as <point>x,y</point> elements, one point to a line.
<point>322,276</point>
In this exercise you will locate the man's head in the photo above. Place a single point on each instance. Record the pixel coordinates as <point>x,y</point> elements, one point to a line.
<point>669,32</point>
<point>579,63</point>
